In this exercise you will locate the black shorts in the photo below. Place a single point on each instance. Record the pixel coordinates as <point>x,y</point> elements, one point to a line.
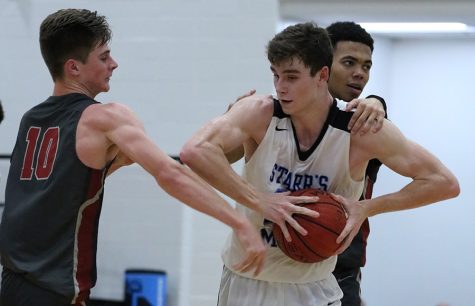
<point>350,283</point>
<point>18,291</point>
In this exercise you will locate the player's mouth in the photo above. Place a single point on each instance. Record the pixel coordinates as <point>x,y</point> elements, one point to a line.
<point>355,87</point>
<point>285,101</point>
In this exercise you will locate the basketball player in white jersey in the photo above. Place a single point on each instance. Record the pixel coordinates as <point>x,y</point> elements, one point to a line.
<point>297,141</point>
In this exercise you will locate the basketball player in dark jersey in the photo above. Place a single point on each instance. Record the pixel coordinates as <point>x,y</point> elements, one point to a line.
<point>65,148</point>
<point>352,61</point>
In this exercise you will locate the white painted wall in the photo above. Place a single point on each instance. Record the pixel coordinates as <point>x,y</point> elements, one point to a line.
<point>425,256</point>
<point>181,62</point>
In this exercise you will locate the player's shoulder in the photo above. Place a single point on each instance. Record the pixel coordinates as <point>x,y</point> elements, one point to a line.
<point>256,101</point>
<point>113,107</point>
<point>107,115</point>
<point>110,109</point>
<point>256,106</point>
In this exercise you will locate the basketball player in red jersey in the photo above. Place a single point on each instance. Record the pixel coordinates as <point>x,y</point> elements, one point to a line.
<point>65,147</point>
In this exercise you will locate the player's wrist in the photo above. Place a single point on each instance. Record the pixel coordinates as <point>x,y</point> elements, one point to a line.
<point>254,200</point>
<point>368,207</point>
<point>240,223</point>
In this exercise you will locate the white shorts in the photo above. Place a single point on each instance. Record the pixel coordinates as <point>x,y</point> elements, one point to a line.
<point>236,290</point>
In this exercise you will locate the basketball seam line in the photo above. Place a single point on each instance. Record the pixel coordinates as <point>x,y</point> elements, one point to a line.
<point>323,226</point>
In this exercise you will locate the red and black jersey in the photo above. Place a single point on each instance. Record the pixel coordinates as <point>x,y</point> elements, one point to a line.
<point>355,255</point>
<point>52,201</point>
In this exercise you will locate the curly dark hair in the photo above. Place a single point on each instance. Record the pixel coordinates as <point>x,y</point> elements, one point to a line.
<point>349,31</point>
<point>305,41</point>
<point>71,33</point>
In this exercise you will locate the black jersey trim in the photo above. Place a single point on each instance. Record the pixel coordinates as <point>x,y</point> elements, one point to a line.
<point>304,155</point>
<point>278,111</point>
<point>336,118</point>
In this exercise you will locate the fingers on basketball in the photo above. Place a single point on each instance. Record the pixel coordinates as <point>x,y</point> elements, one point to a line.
<point>322,232</point>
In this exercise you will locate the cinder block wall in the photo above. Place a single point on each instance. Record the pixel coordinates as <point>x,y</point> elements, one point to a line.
<point>180,63</point>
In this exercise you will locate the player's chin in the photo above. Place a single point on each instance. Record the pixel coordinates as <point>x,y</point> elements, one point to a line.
<point>106,87</point>
<point>352,93</point>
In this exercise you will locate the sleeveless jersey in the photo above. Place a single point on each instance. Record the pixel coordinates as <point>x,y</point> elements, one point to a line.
<point>279,165</point>
<point>52,202</point>
<point>355,255</point>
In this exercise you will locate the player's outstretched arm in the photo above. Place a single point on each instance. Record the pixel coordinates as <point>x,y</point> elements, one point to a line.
<point>114,128</point>
<point>431,181</point>
<point>205,154</point>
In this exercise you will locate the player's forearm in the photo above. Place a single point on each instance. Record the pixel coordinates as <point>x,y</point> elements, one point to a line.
<point>207,161</point>
<point>437,187</point>
<point>184,185</point>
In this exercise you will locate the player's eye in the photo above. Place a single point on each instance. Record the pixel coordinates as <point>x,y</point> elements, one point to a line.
<point>348,62</point>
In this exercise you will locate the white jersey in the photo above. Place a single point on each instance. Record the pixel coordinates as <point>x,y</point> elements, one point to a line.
<point>278,165</point>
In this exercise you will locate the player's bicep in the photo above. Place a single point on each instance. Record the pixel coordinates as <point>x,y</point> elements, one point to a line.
<point>227,132</point>
<point>124,130</point>
<point>133,142</point>
<point>404,156</point>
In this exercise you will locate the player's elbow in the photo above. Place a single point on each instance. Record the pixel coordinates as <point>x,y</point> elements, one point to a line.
<point>454,189</point>
<point>450,185</point>
<point>189,154</point>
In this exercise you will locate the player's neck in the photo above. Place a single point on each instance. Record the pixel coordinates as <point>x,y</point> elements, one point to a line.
<point>308,125</point>
<point>63,88</point>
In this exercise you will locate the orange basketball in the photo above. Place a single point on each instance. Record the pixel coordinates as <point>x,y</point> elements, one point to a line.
<point>320,242</point>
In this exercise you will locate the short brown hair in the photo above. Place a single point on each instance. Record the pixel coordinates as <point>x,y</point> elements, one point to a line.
<point>71,33</point>
<point>305,41</point>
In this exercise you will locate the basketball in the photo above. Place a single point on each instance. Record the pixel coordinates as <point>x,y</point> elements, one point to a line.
<point>320,242</point>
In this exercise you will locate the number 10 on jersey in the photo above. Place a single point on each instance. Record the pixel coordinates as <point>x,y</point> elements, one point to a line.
<point>45,156</point>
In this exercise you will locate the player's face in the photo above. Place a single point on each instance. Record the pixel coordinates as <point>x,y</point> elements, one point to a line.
<point>97,70</point>
<point>294,86</point>
<point>350,70</point>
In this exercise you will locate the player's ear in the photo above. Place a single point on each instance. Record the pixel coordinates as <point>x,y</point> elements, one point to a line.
<point>71,67</point>
<point>324,74</point>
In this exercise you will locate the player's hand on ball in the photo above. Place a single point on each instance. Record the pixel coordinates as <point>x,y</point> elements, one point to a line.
<point>279,208</point>
<point>356,215</point>
<point>253,247</point>
<point>320,242</point>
